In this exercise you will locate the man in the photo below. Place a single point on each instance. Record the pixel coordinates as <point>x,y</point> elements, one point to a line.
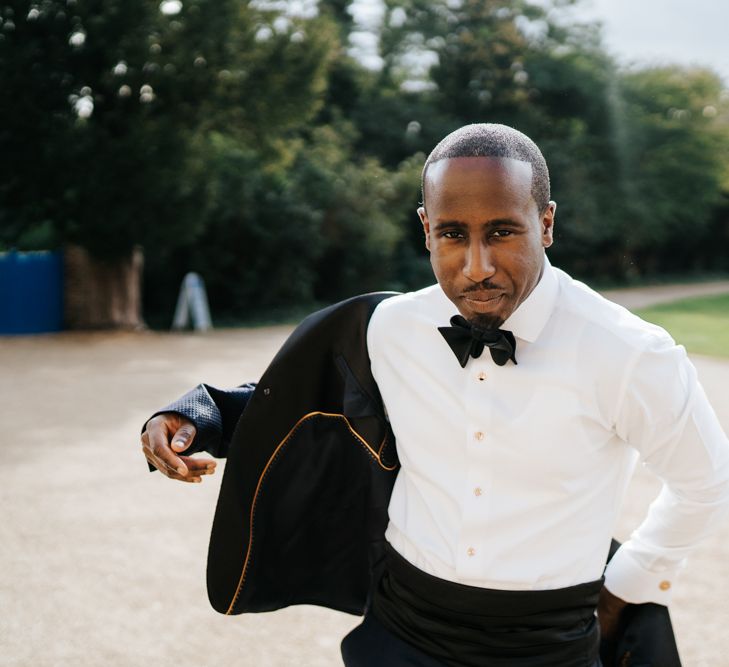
<point>517,429</point>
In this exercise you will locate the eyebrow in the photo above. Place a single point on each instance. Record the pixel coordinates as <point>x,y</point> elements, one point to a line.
<point>496,222</point>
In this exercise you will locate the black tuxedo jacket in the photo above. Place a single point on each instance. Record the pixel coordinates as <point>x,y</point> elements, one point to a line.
<point>311,463</point>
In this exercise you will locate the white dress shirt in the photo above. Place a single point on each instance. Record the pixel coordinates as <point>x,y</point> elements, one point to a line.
<point>512,476</point>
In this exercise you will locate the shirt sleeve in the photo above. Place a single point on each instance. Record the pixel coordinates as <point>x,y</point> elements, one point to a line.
<point>664,413</point>
<point>215,414</point>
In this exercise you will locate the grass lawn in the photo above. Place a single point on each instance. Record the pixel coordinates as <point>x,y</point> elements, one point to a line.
<point>701,324</point>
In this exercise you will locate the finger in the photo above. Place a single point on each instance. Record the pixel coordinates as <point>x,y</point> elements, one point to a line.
<point>183,437</point>
<point>195,466</point>
<point>160,449</point>
<point>194,477</point>
<point>199,464</point>
<point>163,459</point>
<point>155,462</point>
<point>158,463</point>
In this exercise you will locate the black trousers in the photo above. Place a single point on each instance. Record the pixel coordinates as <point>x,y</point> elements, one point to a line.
<point>372,645</point>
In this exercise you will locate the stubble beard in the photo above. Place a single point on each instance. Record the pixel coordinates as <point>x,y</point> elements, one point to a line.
<point>485,321</point>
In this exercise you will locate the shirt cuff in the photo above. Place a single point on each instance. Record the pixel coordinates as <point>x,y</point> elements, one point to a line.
<point>628,580</point>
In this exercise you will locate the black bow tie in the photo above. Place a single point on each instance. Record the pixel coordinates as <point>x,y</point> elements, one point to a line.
<point>467,340</point>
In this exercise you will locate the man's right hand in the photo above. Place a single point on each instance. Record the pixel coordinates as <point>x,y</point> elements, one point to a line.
<point>164,437</point>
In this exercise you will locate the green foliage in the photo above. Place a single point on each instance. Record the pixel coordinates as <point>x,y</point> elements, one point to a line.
<point>252,145</point>
<point>674,156</point>
<point>260,234</point>
<point>631,153</point>
<point>97,143</point>
<point>701,325</point>
<point>111,96</point>
<point>360,202</point>
<point>308,225</point>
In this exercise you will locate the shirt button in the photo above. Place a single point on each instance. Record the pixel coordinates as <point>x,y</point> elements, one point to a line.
<point>479,435</point>
<point>471,551</point>
<point>664,585</point>
<point>477,491</point>
<point>481,376</point>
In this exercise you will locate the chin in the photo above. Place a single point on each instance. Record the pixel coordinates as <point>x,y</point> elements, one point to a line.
<point>485,320</point>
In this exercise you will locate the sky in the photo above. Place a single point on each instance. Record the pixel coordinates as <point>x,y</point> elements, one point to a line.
<point>664,31</point>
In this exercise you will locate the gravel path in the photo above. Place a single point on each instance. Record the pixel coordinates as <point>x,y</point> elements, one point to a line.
<point>103,563</point>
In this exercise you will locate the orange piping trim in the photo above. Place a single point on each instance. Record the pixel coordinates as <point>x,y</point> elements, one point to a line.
<point>375,455</point>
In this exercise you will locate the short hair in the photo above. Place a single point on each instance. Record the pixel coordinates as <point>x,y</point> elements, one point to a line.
<point>494,140</point>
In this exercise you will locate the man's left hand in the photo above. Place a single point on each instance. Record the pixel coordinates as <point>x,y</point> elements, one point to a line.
<point>609,610</point>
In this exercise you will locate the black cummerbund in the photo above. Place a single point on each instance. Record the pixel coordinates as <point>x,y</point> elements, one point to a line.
<point>467,626</point>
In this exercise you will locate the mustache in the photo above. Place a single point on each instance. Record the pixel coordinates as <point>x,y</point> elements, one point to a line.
<point>483,285</point>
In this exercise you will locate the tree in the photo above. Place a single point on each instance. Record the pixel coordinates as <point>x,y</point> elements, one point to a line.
<point>674,165</point>
<point>504,62</point>
<point>249,143</point>
<point>623,147</point>
<point>113,99</point>
<point>99,129</point>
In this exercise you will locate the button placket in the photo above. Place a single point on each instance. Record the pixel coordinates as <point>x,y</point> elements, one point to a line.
<point>474,503</point>
<point>474,500</point>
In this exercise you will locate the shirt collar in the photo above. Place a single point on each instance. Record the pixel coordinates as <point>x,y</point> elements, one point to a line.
<point>528,320</point>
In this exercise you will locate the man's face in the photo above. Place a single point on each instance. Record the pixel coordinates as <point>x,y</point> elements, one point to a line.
<point>485,235</point>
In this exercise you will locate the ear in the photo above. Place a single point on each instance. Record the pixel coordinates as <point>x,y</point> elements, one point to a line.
<point>426,225</point>
<point>548,224</point>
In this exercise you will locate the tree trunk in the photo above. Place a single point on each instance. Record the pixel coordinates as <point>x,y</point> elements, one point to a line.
<point>102,294</point>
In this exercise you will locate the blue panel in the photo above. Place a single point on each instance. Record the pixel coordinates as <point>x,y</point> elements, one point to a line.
<point>31,292</point>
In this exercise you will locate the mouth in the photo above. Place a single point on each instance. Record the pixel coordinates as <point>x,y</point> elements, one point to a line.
<point>482,302</point>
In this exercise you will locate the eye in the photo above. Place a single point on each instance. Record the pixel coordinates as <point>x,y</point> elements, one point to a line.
<point>452,234</point>
<point>501,233</point>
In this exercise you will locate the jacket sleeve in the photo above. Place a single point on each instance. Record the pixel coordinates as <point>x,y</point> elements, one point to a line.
<point>215,414</point>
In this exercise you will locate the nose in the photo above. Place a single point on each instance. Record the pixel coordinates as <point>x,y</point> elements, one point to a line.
<point>479,264</point>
